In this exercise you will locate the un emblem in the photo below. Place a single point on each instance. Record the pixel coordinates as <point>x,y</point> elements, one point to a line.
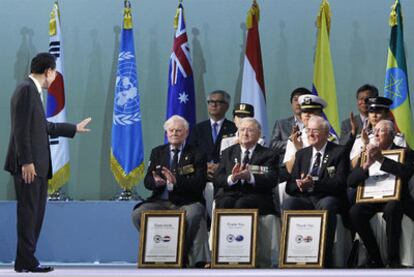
<point>396,86</point>
<point>127,104</point>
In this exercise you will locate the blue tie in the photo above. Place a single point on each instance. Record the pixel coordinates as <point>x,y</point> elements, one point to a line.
<point>316,165</point>
<point>215,125</point>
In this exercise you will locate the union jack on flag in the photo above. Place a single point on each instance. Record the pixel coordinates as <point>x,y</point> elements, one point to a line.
<point>181,96</point>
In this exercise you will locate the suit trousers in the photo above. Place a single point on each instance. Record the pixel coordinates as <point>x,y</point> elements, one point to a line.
<point>195,212</point>
<point>239,200</point>
<point>31,204</point>
<point>329,203</point>
<point>361,213</point>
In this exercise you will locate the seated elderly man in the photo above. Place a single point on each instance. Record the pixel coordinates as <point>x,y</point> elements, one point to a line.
<point>318,178</point>
<point>310,105</point>
<point>247,172</point>
<point>176,176</point>
<point>361,213</point>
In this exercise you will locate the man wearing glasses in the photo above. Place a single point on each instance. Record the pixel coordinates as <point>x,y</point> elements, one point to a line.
<point>206,136</point>
<point>318,178</point>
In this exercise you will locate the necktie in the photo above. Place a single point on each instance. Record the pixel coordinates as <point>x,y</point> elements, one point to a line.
<point>215,125</point>
<point>246,159</point>
<point>316,165</point>
<point>174,162</point>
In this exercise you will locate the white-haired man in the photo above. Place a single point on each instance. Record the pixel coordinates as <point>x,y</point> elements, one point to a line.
<point>176,176</point>
<point>318,178</point>
<point>247,172</point>
<point>361,213</point>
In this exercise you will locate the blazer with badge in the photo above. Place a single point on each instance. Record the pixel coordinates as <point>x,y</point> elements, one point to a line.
<point>201,138</point>
<point>332,174</point>
<point>30,130</point>
<point>265,171</point>
<point>191,175</point>
<point>403,170</point>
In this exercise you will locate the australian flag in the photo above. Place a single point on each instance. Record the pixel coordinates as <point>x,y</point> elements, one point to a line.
<point>181,97</point>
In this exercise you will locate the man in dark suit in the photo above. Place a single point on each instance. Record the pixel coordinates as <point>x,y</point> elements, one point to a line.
<point>28,157</point>
<point>247,172</point>
<point>318,178</point>
<point>176,176</point>
<point>361,213</point>
<point>206,136</point>
<point>283,128</point>
<point>360,121</point>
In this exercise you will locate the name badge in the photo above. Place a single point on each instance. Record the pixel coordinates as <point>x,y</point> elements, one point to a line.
<point>187,169</point>
<point>257,169</point>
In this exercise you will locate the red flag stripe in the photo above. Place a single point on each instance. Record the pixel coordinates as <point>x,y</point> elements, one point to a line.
<point>254,54</point>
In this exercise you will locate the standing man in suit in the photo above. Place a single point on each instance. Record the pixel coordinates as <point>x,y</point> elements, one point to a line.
<point>247,172</point>
<point>283,128</point>
<point>361,213</point>
<point>206,136</point>
<point>28,157</point>
<point>360,121</point>
<point>176,176</point>
<point>318,178</point>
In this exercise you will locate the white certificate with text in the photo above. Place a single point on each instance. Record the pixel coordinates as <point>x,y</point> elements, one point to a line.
<point>304,235</point>
<point>234,240</point>
<point>161,244</point>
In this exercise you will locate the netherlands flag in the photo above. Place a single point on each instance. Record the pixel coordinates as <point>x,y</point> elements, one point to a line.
<point>253,87</point>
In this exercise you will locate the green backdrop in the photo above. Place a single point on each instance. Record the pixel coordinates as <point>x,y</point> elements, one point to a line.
<point>216,32</point>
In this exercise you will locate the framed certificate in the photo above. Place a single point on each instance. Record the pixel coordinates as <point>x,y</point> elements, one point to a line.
<point>303,239</point>
<point>161,239</point>
<point>381,186</point>
<point>234,238</point>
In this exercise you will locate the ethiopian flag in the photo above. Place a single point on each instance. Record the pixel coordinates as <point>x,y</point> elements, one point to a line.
<point>396,83</point>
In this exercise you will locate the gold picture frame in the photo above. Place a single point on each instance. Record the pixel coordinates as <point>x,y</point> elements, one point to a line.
<point>302,242</point>
<point>372,196</point>
<point>234,238</point>
<point>161,239</point>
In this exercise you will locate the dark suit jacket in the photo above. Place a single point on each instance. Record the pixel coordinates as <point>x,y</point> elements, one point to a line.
<point>346,137</point>
<point>264,183</point>
<point>202,139</point>
<point>330,183</point>
<point>403,170</point>
<point>190,184</point>
<point>281,132</point>
<point>29,141</point>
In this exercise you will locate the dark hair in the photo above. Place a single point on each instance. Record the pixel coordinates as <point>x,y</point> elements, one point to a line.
<point>368,87</point>
<point>225,95</point>
<point>42,62</point>
<point>299,91</point>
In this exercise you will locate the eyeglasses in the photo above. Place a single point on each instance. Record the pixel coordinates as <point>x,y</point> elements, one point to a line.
<point>315,131</point>
<point>216,102</point>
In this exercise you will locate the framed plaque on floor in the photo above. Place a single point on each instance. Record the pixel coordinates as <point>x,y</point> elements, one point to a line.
<point>303,239</point>
<point>381,186</point>
<point>234,238</point>
<point>161,239</point>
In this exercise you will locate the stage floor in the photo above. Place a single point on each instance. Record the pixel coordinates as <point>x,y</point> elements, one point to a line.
<point>131,270</point>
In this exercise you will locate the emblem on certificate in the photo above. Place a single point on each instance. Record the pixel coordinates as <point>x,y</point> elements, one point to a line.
<point>381,186</point>
<point>303,239</point>
<point>234,238</point>
<point>161,239</point>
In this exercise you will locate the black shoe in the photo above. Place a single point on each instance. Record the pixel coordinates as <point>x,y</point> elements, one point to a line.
<point>200,264</point>
<point>37,269</point>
